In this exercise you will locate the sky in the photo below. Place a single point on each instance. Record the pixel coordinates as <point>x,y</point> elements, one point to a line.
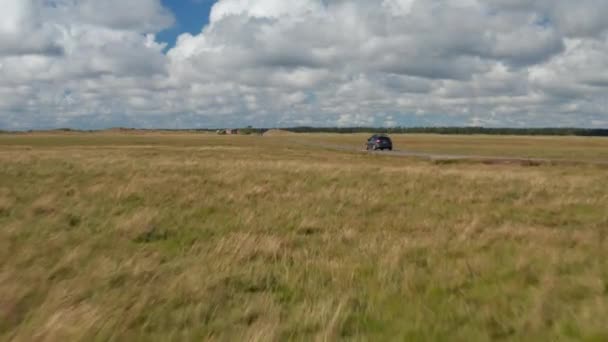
<point>190,17</point>
<point>91,64</point>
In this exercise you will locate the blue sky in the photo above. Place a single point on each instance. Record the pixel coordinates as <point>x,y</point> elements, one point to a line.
<point>525,63</point>
<point>190,16</point>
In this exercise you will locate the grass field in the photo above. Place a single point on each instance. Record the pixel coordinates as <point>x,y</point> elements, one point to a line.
<point>203,237</point>
<point>556,148</point>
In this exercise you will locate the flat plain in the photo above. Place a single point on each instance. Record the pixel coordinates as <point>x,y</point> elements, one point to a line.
<point>186,236</point>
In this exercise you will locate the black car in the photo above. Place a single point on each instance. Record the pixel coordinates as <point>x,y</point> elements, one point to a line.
<point>379,142</point>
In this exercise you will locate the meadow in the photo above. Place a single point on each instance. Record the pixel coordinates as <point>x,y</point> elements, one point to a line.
<point>185,236</point>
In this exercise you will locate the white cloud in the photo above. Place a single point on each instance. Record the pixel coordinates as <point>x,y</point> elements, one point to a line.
<point>398,7</point>
<point>134,15</point>
<point>318,62</point>
<point>264,9</point>
<point>22,30</point>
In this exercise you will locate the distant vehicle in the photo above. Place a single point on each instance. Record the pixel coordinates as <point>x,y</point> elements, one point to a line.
<point>379,142</point>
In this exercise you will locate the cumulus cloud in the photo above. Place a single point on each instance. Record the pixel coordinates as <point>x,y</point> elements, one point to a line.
<point>22,31</point>
<point>314,62</point>
<point>64,60</point>
<point>134,15</point>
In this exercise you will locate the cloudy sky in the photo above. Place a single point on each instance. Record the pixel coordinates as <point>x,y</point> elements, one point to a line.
<point>275,63</point>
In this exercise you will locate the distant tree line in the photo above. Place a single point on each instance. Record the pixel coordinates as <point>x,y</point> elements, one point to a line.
<point>600,132</point>
<point>456,130</point>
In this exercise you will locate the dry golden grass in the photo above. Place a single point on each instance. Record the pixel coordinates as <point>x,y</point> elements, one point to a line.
<point>202,237</point>
<point>278,132</point>
<point>551,147</point>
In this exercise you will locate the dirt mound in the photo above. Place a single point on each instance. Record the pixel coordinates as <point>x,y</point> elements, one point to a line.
<point>277,132</point>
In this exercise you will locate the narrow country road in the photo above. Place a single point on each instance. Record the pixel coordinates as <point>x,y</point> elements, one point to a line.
<point>450,157</point>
